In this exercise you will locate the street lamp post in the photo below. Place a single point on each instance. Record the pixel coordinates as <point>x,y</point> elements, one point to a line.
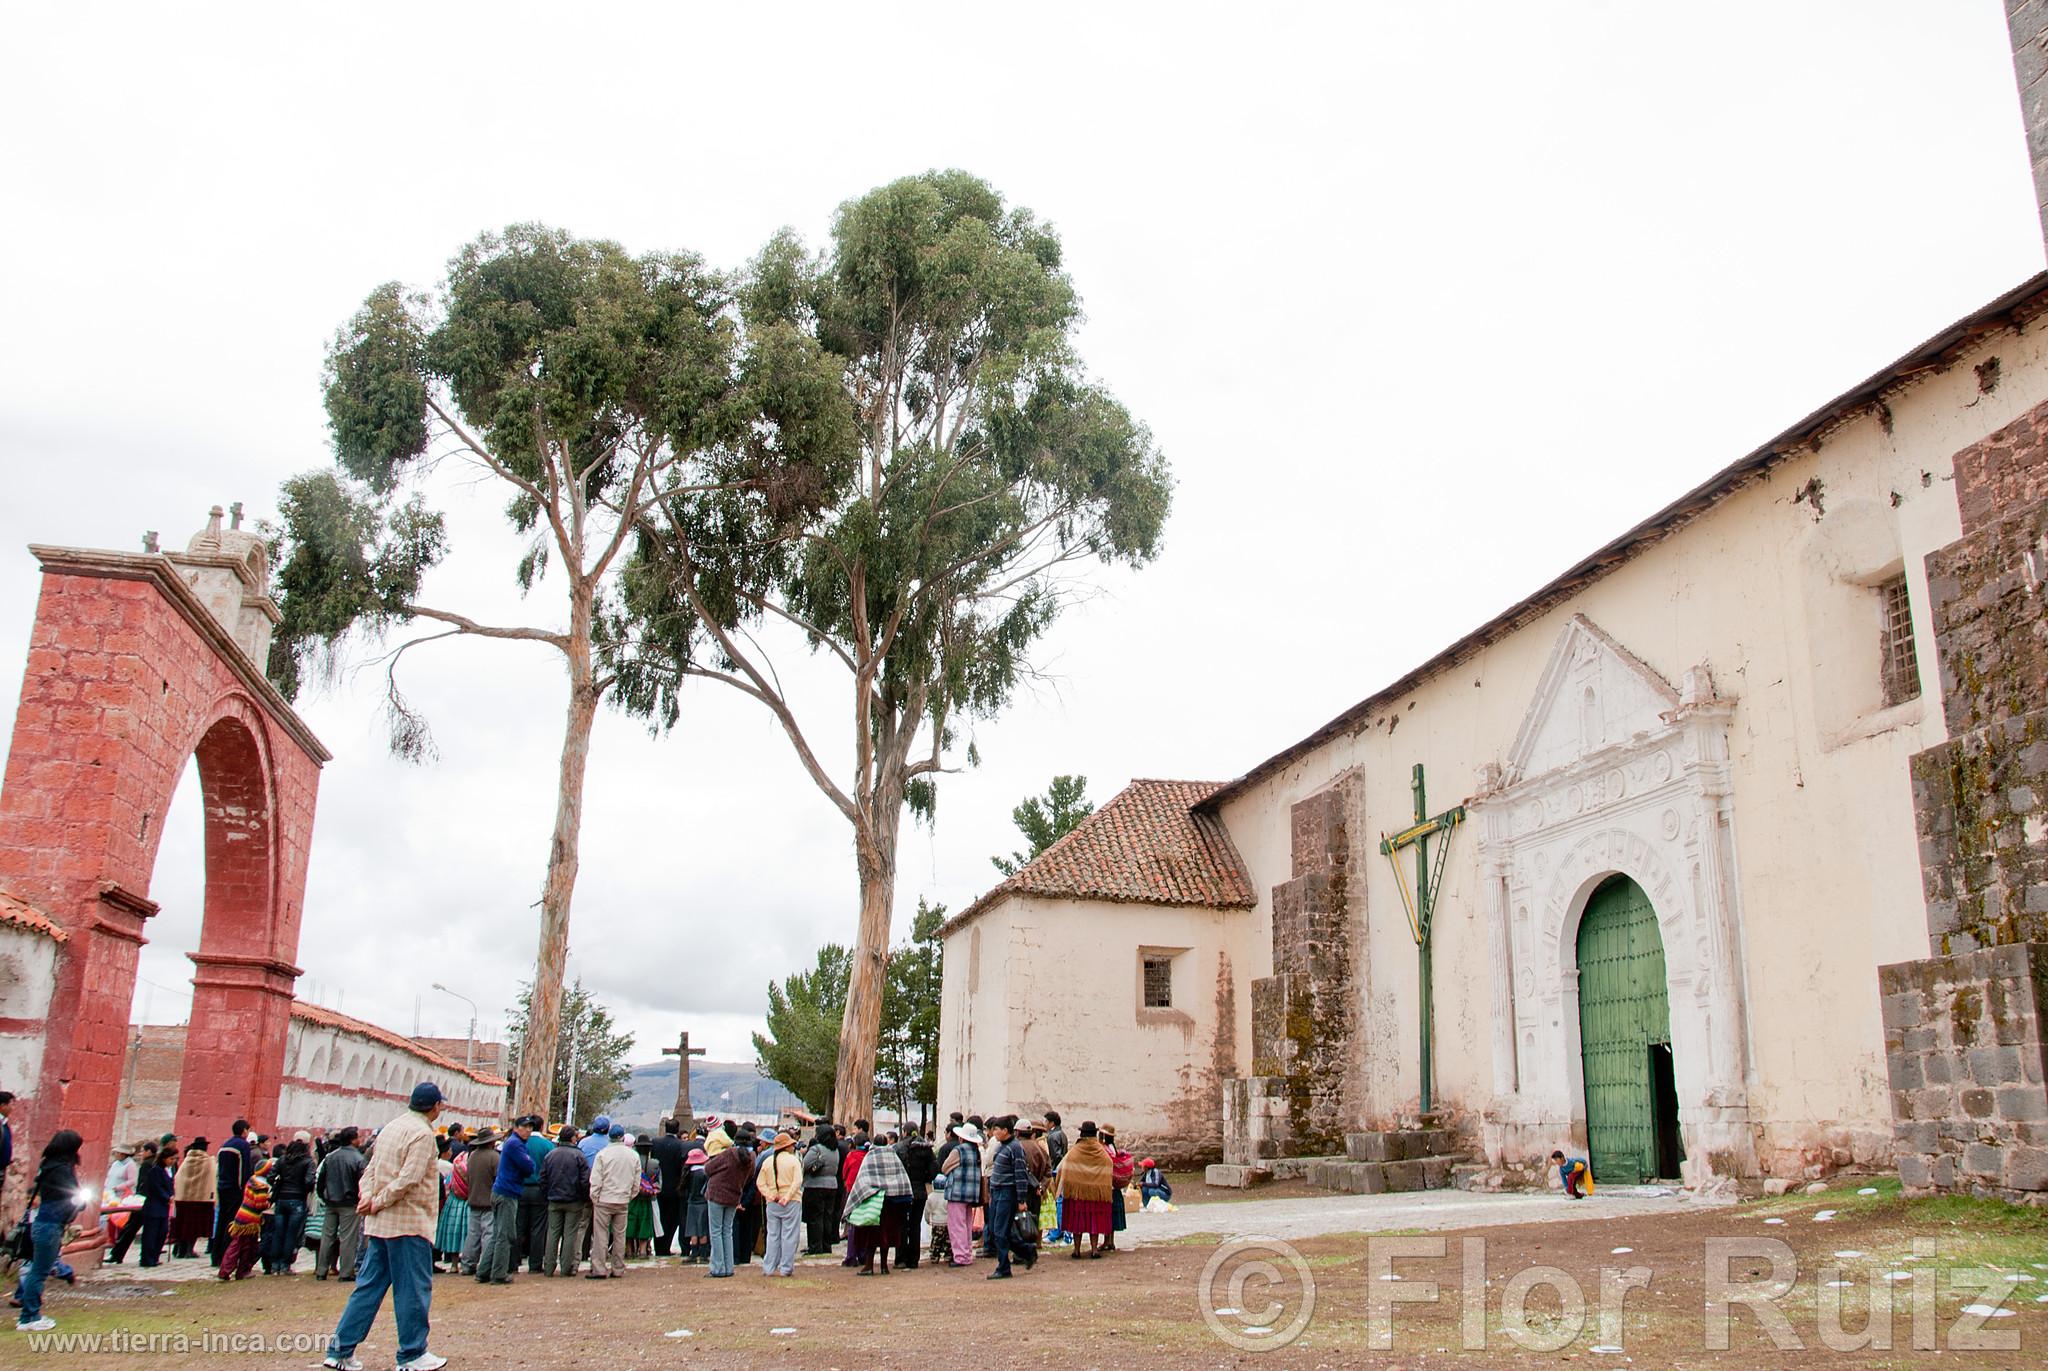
<point>469,1057</point>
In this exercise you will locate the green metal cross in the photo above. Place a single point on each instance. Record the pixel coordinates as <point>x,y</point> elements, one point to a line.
<point>1420,903</point>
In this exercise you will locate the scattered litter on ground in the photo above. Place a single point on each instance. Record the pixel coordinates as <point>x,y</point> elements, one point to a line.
<point>1987,1311</point>
<point>1621,1251</point>
<point>1823,1216</point>
<point>679,1333</point>
<point>783,1332</point>
<point>1774,1221</point>
<point>1848,1254</point>
<point>1868,1190</point>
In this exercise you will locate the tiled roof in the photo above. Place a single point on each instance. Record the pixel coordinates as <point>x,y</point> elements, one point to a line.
<point>1146,846</point>
<point>19,912</point>
<point>334,1018</point>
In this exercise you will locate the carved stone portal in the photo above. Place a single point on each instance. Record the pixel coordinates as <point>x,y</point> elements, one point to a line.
<point>1613,772</point>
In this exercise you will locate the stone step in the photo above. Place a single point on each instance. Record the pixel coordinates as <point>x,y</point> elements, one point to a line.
<point>1399,1145</point>
<point>1381,1177</point>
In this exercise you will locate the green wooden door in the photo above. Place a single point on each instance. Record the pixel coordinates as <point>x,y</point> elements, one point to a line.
<point>1622,1010</point>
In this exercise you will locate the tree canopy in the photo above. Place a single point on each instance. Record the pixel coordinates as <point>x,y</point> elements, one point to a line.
<point>801,1046</point>
<point>590,1045</point>
<point>1044,820</point>
<point>590,388</point>
<point>976,469</point>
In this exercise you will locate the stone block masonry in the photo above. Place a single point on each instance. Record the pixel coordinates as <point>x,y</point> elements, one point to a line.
<point>1967,1052</point>
<point>1964,1035</point>
<point>1302,1015</point>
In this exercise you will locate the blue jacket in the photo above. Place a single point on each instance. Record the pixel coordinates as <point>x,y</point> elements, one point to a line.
<point>156,1189</point>
<point>515,1164</point>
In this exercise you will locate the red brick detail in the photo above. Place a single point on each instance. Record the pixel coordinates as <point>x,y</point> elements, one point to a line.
<point>123,683</point>
<point>2004,472</point>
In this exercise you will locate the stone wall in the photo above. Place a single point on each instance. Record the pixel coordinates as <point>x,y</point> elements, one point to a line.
<point>2028,22</point>
<point>2003,471</point>
<point>1981,799</point>
<point>1963,1030</point>
<point>1303,1015</point>
<point>1964,1043</point>
<point>150,1077</point>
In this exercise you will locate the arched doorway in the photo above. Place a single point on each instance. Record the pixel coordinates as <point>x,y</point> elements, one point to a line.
<point>137,664</point>
<point>1625,1039</point>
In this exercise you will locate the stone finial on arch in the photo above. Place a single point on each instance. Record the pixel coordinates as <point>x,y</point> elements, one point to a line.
<point>1593,693</point>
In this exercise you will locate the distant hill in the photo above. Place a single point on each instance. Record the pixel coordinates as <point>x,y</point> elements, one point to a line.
<point>651,1092</point>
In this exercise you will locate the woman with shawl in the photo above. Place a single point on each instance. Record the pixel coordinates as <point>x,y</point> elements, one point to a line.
<point>873,1228</point>
<point>452,1229</point>
<point>192,1190</point>
<point>1085,1182</point>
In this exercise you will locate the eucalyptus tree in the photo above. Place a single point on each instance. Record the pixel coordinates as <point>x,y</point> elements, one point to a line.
<point>985,468</point>
<point>586,387</point>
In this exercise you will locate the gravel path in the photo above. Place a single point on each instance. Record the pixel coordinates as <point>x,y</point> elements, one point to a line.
<point>1426,1209</point>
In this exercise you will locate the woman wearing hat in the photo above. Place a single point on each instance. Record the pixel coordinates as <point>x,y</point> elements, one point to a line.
<point>1086,1180</point>
<point>696,1210</point>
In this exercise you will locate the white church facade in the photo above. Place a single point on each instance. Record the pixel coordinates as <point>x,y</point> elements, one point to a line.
<point>1687,841</point>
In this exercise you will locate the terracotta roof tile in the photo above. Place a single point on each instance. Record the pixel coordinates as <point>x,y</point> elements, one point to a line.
<point>334,1018</point>
<point>22,914</point>
<point>1146,846</point>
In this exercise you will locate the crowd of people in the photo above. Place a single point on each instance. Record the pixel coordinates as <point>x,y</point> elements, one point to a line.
<point>410,1201</point>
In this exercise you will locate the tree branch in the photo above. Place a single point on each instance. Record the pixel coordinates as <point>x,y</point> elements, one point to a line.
<point>463,624</point>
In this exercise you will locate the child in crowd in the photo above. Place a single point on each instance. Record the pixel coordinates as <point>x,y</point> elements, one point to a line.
<point>935,1218</point>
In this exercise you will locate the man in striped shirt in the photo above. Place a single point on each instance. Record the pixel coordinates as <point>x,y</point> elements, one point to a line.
<point>400,1193</point>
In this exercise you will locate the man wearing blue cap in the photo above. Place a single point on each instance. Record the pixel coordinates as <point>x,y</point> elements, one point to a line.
<point>400,1192</point>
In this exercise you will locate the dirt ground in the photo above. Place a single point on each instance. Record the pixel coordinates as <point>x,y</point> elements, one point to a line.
<point>1145,1308</point>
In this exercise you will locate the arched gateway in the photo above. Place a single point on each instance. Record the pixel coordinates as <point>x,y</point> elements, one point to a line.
<point>136,663</point>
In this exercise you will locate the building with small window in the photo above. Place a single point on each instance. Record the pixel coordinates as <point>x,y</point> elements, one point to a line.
<point>1684,842</point>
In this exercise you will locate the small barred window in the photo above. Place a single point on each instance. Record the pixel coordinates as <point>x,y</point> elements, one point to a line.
<point>1159,983</point>
<point>1901,661</point>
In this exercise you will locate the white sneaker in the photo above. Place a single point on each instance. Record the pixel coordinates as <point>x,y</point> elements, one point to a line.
<point>342,1364</point>
<point>42,1325</point>
<point>425,1361</point>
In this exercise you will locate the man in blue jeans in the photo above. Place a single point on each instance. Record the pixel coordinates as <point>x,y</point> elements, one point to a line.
<point>401,1190</point>
<point>1009,1185</point>
<point>515,1165</point>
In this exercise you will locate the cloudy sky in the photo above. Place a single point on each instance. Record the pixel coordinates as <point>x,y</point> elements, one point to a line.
<point>1422,301</point>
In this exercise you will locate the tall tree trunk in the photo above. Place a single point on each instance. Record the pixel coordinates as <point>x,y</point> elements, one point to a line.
<point>531,1094</point>
<point>853,1091</point>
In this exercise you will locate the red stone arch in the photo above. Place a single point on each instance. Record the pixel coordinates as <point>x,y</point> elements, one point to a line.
<point>129,674</point>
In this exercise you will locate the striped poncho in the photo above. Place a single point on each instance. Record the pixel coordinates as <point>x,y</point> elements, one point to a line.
<point>255,1202</point>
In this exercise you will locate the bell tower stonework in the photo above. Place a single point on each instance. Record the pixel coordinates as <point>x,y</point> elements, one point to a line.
<point>137,662</point>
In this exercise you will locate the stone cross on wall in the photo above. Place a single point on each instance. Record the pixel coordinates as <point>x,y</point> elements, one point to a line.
<point>686,1122</point>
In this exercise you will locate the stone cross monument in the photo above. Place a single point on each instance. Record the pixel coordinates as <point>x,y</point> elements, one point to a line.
<point>686,1122</point>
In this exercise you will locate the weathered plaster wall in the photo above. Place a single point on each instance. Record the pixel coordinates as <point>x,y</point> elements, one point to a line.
<point>974,1014</point>
<point>1060,1020</point>
<point>1827,881</point>
<point>28,969</point>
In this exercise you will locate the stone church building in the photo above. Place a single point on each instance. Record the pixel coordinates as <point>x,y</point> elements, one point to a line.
<point>1693,794</point>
